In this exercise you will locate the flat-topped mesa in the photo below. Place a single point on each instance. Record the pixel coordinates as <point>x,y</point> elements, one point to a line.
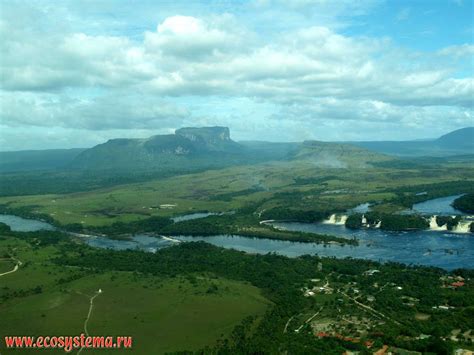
<point>208,134</point>
<point>190,148</point>
<point>210,139</point>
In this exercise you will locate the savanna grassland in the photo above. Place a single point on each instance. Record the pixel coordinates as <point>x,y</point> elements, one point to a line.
<point>294,185</point>
<point>198,297</point>
<point>163,314</point>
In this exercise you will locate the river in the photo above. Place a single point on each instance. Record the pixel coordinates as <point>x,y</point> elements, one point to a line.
<point>19,224</point>
<point>439,206</point>
<point>433,248</point>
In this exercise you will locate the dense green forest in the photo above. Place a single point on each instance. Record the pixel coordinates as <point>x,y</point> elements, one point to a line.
<point>236,224</point>
<point>401,293</point>
<point>389,222</point>
<point>407,196</point>
<point>282,278</point>
<point>289,214</point>
<point>242,222</point>
<point>67,181</point>
<point>465,203</point>
<point>400,297</point>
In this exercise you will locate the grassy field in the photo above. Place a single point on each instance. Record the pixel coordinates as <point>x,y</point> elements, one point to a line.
<point>187,297</point>
<point>161,314</point>
<point>6,265</point>
<point>295,184</point>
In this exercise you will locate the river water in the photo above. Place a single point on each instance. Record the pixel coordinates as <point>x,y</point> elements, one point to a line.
<point>19,224</point>
<point>198,215</point>
<point>439,206</point>
<point>140,242</point>
<point>442,249</point>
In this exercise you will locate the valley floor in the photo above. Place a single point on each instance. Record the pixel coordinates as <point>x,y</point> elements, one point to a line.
<point>194,296</point>
<point>162,314</point>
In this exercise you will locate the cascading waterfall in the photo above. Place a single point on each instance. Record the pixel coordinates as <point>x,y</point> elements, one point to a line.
<point>335,219</point>
<point>462,227</point>
<point>343,220</point>
<point>434,225</point>
<point>330,220</point>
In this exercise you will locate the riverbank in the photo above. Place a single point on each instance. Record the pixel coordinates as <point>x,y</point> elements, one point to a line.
<point>209,225</point>
<point>440,249</point>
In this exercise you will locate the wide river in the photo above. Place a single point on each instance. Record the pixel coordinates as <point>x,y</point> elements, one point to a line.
<point>439,206</point>
<point>442,249</point>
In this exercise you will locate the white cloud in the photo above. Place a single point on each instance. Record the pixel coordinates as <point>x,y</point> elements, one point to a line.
<point>80,80</point>
<point>120,111</point>
<point>458,51</point>
<point>187,55</point>
<point>193,39</point>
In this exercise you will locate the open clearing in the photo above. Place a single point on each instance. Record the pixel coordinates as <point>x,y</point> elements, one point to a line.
<point>268,185</point>
<point>6,265</point>
<point>160,314</point>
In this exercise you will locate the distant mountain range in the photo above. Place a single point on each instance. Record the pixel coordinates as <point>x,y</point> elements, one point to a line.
<point>31,160</point>
<point>458,142</point>
<point>210,147</point>
<point>191,149</point>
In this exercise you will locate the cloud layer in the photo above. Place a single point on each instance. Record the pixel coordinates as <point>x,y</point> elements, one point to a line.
<point>311,75</point>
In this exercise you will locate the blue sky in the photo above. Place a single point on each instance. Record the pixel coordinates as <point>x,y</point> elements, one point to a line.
<point>76,73</point>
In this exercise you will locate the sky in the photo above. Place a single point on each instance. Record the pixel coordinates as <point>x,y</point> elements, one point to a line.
<point>77,73</point>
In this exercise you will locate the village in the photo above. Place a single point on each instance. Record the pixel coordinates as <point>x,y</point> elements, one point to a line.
<point>348,312</point>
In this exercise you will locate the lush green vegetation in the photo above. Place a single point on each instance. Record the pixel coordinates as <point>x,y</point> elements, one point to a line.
<point>449,221</point>
<point>281,280</point>
<point>238,223</point>
<point>68,181</point>
<point>154,296</point>
<point>295,187</point>
<point>407,196</point>
<point>403,222</point>
<point>163,314</point>
<point>289,214</point>
<point>285,190</point>
<point>390,222</point>
<point>354,221</point>
<point>465,203</point>
<point>34,160</point>
<point>120,229</point>
<point>247,226</point>
<point>248,300</point>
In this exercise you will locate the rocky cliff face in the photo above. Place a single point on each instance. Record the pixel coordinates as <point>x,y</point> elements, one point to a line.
<point>209,138</point>
<point>209,134</point>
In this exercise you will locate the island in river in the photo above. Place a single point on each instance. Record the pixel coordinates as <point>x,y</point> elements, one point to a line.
<point>443,249</point>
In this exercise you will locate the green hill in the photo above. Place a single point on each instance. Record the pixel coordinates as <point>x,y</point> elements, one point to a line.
<point>211,147</point>
<point>459,139</point>
<point>458,142</point>
<point>188,149</point>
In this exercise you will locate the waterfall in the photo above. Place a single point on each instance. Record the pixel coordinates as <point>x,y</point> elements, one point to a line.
<point>434,225</point>
<point>342,220</point>
<point>331,220</point>
<point>334,219</point>
<point>378,224</point>
<point>462,227</point>
<point>364,220</point>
